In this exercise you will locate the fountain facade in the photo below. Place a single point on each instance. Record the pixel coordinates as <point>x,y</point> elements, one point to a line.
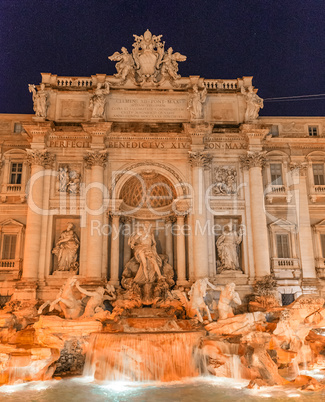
<point>165,233</point>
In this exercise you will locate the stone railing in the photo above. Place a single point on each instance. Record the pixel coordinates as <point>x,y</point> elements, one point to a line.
<point>12,264</point>
<point>223,85</point>
<point>277,191</point>
<point>76,82</point>
<point>13,188</point>
<point>286,268</point>
<point>320,189</point>
<point>285,262</point>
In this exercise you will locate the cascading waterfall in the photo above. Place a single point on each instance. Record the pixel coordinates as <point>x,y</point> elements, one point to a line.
<point>162,356</point>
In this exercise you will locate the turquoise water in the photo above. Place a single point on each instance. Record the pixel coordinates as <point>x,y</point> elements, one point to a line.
<point>194,390</point>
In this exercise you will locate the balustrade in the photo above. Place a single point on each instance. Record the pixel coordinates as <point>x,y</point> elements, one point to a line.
<point>221,84</point>
<point>80,82</point>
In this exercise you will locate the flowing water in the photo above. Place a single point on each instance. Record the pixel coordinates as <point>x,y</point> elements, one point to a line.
<point>193,390</point>
<point>161,356</point>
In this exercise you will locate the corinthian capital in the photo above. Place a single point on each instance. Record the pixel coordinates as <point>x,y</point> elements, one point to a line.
<point>199,159</point>
<point>95,158</point>
<point>40,157</point>
<point>253,159</point>
<point>299,167</point>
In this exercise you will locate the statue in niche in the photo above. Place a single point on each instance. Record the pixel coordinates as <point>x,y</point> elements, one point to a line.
<point>69,180</point>
<point>144,246</point>
<point>40,99</point>
<point>227,296</point>
<point>253,103</point>
<point>97,298</point>
<point>98,100</point>
<point>147,275</point>
<point>197,294</point>
<point>66,249</point>
<point>225,181</point>
<point>125,66</point>
<point>197,98</point>
<point>227,246</point>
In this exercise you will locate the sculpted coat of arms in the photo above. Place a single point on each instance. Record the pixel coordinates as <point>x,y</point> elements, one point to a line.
<point>148,62</point>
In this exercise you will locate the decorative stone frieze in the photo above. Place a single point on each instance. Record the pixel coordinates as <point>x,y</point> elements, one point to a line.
<point>253,159</point>
<point>225,179</point>
<point>200,159</point>
<point>40,157</point>
<point>96,158</point>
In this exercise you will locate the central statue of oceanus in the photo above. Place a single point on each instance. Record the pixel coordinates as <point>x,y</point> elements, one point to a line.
<point>147,273</point>
<point>148,63</point>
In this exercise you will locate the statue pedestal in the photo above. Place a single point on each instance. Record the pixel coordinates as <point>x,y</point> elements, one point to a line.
<point>228,276</point>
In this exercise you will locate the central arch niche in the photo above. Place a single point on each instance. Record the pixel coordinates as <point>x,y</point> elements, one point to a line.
<point>148,193</point>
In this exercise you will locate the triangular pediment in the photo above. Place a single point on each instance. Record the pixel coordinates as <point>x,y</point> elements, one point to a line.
<point>320,224</point>
<point>283,224</point>
<point>11,222</point>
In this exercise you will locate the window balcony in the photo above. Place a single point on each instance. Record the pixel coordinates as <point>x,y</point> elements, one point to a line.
<point>286,268</point>
<point>277,192</point>
<point>9,190</point>
<point>320,268</point>
<point>317,192</point>
<point>10,269</point>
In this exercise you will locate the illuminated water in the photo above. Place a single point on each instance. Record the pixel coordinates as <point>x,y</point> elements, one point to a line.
<point>194,390</point>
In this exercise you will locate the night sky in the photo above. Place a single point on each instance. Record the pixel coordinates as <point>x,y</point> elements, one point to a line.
<point>281,43</point>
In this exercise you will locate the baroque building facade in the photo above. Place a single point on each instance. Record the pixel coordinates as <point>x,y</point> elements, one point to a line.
<point>229,195</point>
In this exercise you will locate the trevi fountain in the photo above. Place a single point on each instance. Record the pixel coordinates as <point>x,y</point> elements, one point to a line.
<point>177,314</point>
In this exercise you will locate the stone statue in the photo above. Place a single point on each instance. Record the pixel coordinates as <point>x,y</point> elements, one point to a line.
<point>40,99</point>
<point>97,101</point>
<point>144,246</point>
<point>227,296</point>
<point>195,102</point>
<point>148,63</point>
<point>66,249</point>
<point>125,66</point>
<point>66,300</point>
<point>97,298</point>
<point>225,181</point>
<point>197,293</point>
<point>169,64</point>
<point>253,103</point>
<point>227,246</point>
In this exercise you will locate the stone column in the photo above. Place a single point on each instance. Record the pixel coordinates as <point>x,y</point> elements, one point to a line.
<point>115,249</point>
<point>307,258</point>
<point>180,251</point>
<point>96,161</point>
<point>200,161</point>
<point>37,159</point>
<point>127,231</point>
<point>254,161</point>
<point>169,239</point>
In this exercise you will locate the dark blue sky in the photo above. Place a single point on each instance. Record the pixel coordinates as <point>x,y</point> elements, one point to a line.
<point>281,43</point>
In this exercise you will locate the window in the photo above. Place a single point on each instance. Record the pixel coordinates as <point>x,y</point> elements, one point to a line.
<point>322,242</point>
<point>276,173</point>
<point>287,298</point>
<point>318,170</point>
<point>274,131</point>
<point>18,128</point>
<point>16,173</point>
<point>282,245</point>
<point>313,131</point>
<point>9,247</point>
